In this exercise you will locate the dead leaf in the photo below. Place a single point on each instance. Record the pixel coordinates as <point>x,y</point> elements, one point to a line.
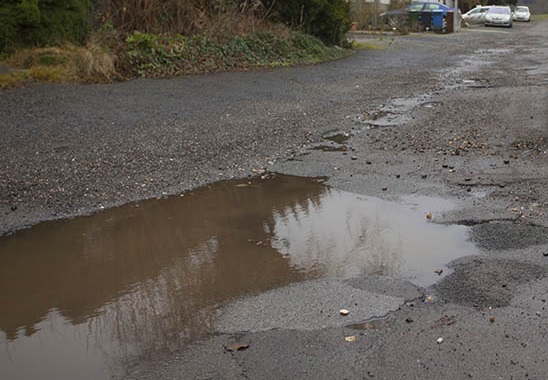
<point>445,320</point>
<point>351,338</point>
<point>237,347</point>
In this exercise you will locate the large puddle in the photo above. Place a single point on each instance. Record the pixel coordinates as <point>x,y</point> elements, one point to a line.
<point>84,298</point>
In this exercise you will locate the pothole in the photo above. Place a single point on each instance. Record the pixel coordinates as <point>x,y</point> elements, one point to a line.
<point>107,289</point>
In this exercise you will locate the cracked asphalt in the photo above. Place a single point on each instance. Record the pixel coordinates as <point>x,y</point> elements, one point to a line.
<point>462,116</point>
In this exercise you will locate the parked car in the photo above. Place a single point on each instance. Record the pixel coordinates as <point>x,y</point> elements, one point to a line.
<point>475,16</point>
<point>499,15</point>
<point>522,13</point>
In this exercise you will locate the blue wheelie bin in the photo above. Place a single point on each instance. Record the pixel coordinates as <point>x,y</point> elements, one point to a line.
<point>439,23</point>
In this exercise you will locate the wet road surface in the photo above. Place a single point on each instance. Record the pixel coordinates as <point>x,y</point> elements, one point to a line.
<point>456,129</point>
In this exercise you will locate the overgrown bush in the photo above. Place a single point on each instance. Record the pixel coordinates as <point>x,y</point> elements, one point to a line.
<point>186,17</point>
<point>150,55</point>
<point>27,23</point>
<point>326,19</point>
<point>101,40</point>
<point>38,23</point>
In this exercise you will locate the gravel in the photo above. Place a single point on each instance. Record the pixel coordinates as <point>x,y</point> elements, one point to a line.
<point>461,116</point>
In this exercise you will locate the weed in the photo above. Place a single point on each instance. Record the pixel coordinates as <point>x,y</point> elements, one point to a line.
<point>60,64</point>
<point>40,73</point>
<point>94,64</point>
<point>11,80</point>
<point>49,60</point>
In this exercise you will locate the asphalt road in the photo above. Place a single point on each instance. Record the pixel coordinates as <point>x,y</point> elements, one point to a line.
<point>463,116</point>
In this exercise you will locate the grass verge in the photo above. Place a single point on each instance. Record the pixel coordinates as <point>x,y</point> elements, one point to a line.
<point>539,17</point>
<point>148,55</point>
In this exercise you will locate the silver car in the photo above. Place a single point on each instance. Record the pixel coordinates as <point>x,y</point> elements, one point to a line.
<point>498,15</point>
<point>522,13</point>
<point>475,16</point>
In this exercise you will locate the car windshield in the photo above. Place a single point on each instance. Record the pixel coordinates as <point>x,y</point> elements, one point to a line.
<point>499,10</point>
<point>416,7</point>
<point>521,10</point>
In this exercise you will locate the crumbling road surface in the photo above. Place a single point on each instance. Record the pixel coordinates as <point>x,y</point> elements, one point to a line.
<point>462,116</point>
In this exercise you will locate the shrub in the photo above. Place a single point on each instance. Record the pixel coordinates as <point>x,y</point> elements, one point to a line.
<point>326,19</point>
<point>151,55</point>
<point>34,23</point>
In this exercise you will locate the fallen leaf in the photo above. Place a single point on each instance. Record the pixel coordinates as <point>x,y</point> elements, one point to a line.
<point>351,338</point>
<point>445,320</point>
<point>237,347</point>
<point>344,312</point>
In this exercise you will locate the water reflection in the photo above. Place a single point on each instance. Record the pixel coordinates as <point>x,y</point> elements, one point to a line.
<point>83,298</point>
<point>347,235</point>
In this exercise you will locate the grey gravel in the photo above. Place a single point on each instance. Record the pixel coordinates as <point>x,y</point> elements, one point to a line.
<point>462,116</point>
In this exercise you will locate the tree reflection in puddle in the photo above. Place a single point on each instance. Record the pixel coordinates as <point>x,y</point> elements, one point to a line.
<point>347,235</point>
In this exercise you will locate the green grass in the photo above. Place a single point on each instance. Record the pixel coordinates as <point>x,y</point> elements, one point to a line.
<point>153,56</point>
<point>367,45</point>
<point>535,17</point>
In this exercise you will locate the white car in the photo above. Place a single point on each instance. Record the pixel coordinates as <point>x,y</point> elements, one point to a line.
<point>522,13</point>
<point>499,15</point>
<point>475,16</point>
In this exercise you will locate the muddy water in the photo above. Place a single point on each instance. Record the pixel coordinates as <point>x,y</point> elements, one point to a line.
<point>84,298</point>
